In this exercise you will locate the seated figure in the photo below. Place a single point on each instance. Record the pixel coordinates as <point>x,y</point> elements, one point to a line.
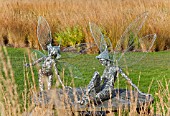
<point>100,87</point>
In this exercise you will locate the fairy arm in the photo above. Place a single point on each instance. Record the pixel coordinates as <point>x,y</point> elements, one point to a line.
<point>129,81</point>
<point>35,62</point>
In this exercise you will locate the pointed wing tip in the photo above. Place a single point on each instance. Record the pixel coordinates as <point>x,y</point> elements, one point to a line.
<point>40,18</point>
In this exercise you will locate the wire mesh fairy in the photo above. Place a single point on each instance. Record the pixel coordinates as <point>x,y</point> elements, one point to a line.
<point>51,63</point>
<point>48,61</point>
<point>100,87</point>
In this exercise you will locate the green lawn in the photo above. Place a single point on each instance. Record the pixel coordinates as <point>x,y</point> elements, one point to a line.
<point>155,67</point>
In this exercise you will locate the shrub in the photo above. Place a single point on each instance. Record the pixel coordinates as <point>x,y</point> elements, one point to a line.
<point>70,36</point>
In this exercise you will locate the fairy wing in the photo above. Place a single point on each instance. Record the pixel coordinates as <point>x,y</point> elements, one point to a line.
<point>101,40</point>
<point>44,38</point>
<point>43,33</point>
<point>130,41</point>
<point>68,70</point>
<point>97,36</point>
<point>129,37</point>
<point>36,54</point>
<point>68,73</point>
<point>127,58</point>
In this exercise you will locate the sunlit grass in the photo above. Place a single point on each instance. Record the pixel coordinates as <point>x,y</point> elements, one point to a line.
<point>19,19</point>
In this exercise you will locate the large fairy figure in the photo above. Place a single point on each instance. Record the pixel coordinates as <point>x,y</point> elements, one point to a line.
<point>100,87</point>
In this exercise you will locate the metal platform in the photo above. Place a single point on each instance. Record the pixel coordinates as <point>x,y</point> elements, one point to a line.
<point>67,98</point>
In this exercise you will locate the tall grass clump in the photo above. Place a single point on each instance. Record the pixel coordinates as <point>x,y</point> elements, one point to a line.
<point>19,19</point>
<point>9,99</point>
<point>163,98</point>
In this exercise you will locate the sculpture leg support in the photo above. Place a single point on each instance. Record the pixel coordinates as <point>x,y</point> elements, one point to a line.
<point>58,76</point>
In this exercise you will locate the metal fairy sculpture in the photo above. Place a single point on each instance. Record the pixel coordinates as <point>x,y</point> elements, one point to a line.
<point>49,60</point>
<point>101,87</point>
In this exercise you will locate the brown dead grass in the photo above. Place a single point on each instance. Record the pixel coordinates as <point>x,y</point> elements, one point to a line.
<point>19,18</point>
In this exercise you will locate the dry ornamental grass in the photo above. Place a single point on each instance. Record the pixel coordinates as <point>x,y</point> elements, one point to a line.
<point>19,19</point>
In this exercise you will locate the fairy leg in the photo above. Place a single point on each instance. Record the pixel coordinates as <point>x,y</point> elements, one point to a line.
<point>105,94</point>
<point>92,88</point>
<point>94,85</point>
<point>49,81</point>
<point>41,85</point>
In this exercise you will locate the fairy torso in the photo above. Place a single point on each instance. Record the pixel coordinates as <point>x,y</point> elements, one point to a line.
<point>109,76</point>
<point>47,65</point>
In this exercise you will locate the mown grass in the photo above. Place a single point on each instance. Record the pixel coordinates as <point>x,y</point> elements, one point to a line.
<point>151,75</point>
